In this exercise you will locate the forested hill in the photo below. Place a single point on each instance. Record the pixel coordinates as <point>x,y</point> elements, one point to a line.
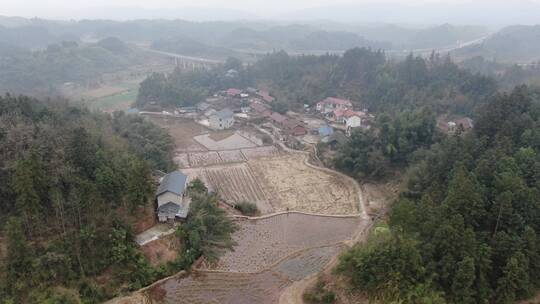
<point>365,76</point>
<point>515,44</point>
<point>466,229</point>
<point>41,72</point>
<point>71,182</point>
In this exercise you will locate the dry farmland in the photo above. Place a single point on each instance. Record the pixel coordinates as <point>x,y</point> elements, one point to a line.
<point>308,262</point>
<point>235,183</point>
<point>274,183</point>
<point>266,151</point>
<point>202,287</point>
<point>223,288</point>
<point>265,287</point>
<point>201,159</point>
<point>182,132</point>
<point>295,186</point>
<point>264,242</point>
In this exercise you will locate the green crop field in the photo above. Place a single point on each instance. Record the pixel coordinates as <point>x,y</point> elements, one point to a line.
<point>118,101</point>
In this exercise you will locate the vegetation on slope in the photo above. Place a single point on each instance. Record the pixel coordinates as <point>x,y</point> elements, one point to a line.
<point>42,71</point>
<point>466,228</point>
<point>362,75</point>
<point>72,182</point>
<point>518,44</point>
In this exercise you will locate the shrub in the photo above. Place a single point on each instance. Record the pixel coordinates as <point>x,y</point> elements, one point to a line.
<point>247,208</point>
<point>319,294</point>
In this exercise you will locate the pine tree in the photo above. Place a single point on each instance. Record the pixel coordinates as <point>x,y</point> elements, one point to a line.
<point>463,282</point>
<point>465,197</point>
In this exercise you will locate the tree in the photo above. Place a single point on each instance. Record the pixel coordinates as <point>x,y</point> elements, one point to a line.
<point>514,284</point>
<point>208,231</point>
<point>463,282</point>
<point>139,184</point>
<point>19,257</point>
<point>465,197</point>
<point>28,184</point>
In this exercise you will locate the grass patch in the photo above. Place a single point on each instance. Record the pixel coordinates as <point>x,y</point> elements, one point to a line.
<point>247,208</point>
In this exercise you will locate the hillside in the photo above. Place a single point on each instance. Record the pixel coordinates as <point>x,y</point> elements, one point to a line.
<point>518,44</point>
<point>43,71</point>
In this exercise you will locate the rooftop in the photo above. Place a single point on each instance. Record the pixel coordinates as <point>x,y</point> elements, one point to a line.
<point>334,100</point>
<point>278,117</point>
<point>174,182</point>
<point>234,92</point>
<point>173,208</point>
<point>224,114</point>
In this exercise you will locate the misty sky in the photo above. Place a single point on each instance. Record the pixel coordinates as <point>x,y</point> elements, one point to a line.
<point>241,9</point>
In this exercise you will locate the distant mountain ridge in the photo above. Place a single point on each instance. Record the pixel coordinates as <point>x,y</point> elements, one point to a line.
<point>477,12</point>
<point>517,44</point>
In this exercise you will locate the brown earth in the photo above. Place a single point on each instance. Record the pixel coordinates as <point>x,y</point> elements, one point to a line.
<point>161,251</point>
<point>279,184</point>
<point>265,242</point>
<point>294,186</point>
<point>182,132</point>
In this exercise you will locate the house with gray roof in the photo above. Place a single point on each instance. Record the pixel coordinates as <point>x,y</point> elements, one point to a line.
<point>171,197</point>
<point>222,120</point>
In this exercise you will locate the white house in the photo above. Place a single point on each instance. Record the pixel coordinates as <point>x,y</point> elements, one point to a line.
<point>222,120</point>
<point>170,197</point>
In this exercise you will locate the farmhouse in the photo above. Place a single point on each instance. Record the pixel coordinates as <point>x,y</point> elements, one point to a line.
<point>170,197</point>
<point>265,95</point>
<point>278,119</point>
<point>260,109</point>
<point>232,92</point>
<point>222,120</point>
<point>331,104</point>
<point>294,127</point>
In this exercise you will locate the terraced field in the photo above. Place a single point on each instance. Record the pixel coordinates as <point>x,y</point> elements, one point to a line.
<point>244,288</point>
<point>307,263</point>
<point>235,183</point>
<point>223,288</point>
<point>295,186</point>
<point>264,242</point>
<point>266,151</point>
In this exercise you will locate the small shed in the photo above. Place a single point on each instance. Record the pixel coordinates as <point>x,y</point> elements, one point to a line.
<point>326,130</point>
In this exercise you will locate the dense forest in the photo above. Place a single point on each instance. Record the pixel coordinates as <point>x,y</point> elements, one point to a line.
<point>365,76</point>
<point>507,75</point>
<point>465,229</point>
<point>72,184</point>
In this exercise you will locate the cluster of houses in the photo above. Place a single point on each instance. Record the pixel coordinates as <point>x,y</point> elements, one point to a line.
<point>225,118</point>
<point>251,102</point>
<point>340,111</point>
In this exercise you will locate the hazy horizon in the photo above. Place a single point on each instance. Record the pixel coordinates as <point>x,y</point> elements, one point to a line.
<point>497,12</point>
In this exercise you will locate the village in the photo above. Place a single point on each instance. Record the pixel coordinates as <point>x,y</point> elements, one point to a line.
<point>304,213</point>
<point>246,153</point>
